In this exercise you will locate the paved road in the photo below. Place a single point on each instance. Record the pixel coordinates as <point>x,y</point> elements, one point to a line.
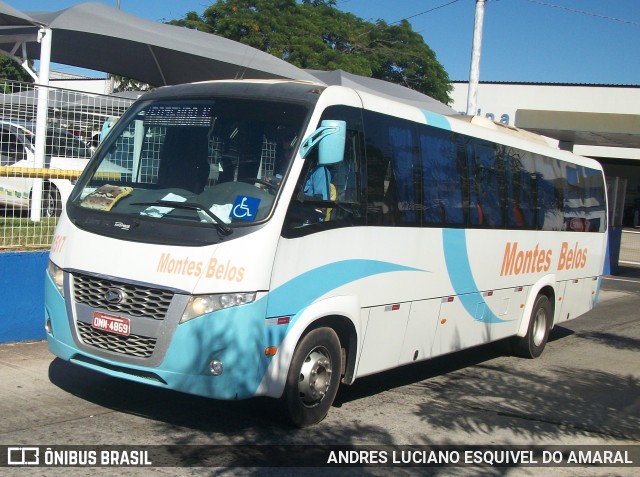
<point>585,389</point>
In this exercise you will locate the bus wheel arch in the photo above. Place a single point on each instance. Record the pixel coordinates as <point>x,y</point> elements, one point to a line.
<point>348,337</point>
<point>550,293</point>
<point>539,326</point>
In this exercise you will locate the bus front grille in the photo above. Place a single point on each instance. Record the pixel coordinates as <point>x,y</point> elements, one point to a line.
<point>136,300</point>
<point>132,345</point>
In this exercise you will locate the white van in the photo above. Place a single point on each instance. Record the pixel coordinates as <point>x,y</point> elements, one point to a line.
<point>17,149</point>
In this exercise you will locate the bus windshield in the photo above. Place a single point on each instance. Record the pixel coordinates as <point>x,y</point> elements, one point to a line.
<point>212,161</point>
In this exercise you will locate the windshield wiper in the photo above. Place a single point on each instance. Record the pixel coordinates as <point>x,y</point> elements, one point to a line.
<point>217,221</point>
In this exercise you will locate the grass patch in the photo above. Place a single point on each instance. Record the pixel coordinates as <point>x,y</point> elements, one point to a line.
<point>23,233</point>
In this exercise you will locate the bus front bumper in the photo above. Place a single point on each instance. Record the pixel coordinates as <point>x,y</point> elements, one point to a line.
<point>231,341</point>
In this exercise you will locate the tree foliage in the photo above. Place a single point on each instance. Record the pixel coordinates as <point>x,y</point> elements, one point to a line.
<point>124,83</point>
<point>314,34</point>
<point>10,70</point>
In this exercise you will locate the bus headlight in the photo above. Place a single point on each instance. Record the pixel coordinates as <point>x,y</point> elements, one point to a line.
<point>57,275</point>
<point>202,304</point>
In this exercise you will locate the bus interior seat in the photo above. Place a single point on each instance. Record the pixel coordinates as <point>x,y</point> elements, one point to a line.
<point>518,216</point>
<point>184,160</point>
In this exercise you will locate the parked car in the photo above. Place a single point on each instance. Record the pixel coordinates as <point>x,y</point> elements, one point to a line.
<point>63,151</point>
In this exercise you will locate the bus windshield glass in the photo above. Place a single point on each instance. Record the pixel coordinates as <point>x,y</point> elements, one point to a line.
<point>211,161</point>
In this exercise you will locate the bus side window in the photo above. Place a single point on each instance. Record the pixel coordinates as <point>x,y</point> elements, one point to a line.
<point>441,179</point>
<point>520,183</point>
<point>550,188</point>
<point>391,177</point>
<point>346,181</point>
<point>594,201</point>
<point>486,179</point>
<point>402,151</point>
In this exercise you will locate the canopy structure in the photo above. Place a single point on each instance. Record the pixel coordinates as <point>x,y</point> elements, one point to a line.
<point>11,16</point>
<point>98,37</point>
<point>102,38</point>
<point>382,88</point>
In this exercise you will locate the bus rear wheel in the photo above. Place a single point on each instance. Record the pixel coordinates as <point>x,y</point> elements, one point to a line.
<point>532,344</point>
<point>314,377</point>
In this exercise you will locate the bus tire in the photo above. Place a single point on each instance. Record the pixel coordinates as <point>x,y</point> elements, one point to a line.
<point>532,344</point>
<point>314,377</point>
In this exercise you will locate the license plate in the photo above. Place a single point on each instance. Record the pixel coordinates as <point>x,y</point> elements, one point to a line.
<point>111,323</point>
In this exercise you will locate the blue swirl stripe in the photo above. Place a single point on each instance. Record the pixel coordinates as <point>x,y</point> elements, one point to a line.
<point>302,290</point>
<point>461,276</point>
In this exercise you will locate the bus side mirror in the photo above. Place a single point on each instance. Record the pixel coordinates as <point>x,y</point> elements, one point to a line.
<point>330,138</point>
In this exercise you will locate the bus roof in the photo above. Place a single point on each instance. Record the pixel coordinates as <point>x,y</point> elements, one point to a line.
<point>291,90</point>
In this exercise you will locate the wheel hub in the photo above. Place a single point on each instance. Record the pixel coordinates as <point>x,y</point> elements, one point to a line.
<point>315,377</point>
<point>539,327</point>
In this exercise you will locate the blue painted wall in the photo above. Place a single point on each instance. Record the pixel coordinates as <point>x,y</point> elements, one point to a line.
<point>22,295</point>
<point>613,251</point>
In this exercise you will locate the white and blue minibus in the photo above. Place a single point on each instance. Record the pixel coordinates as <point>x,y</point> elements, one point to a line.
<point>245,238</point>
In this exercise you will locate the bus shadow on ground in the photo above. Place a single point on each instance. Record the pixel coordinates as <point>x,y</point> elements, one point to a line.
<point>425,370</point>
<point>182,419</point>
<point>180,409</point>
<point>165,405</point>
<point>499,394</point>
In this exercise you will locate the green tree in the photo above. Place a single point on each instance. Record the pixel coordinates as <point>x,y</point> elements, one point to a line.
<point>124,83</point>
<point>12,71</point>
<point>314,34</point>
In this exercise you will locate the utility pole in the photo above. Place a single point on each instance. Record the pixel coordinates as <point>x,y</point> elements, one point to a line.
<point>474,72</point>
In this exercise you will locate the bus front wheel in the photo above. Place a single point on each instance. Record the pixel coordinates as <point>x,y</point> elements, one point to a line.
<point>532,344</point>
<point>314,377</point>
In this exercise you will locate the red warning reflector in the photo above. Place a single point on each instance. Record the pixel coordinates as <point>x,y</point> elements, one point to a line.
<point>284,320</point>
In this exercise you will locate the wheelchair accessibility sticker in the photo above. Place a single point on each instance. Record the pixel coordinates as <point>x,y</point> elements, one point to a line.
<point>245,208</point>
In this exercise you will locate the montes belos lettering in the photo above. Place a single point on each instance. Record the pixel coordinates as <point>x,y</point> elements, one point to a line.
<point>213,268</point>
<point>517,261</point>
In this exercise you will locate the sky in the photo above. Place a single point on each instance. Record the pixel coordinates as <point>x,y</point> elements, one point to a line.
<point>547,41</point>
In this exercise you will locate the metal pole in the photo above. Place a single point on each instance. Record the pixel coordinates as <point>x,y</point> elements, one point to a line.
<point>474,72</point>
<point>44,37</point>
